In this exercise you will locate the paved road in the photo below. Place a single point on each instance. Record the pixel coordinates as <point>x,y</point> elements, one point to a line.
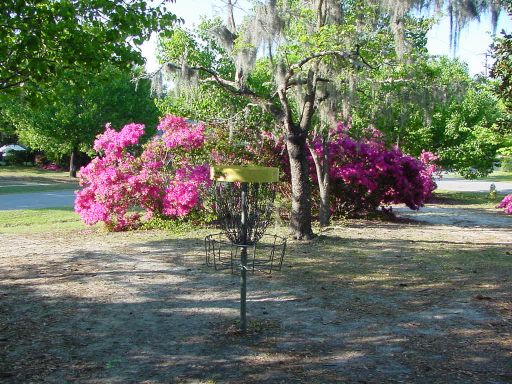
<point>36,200</point>
<point>66,198</point>
<point>456,184</point>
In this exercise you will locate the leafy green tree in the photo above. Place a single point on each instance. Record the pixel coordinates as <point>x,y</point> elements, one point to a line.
<point>70,113</point>
<point>206,101</point>
<point>288,83</point>
<point>42,39</point>
<point>502,72</point>
<point>434,104</point>
<point>7,129</point>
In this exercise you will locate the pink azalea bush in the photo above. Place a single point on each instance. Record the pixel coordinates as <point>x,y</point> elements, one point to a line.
<point>119,187</point>
<point>51,167</point>
<point>178,133</point>
<point>366,174</point>
<point>506,203</point>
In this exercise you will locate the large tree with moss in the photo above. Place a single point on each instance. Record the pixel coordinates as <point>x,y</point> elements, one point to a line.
<point>306,45</point>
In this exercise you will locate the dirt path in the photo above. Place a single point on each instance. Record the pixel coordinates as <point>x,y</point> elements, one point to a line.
<point>369,302</point>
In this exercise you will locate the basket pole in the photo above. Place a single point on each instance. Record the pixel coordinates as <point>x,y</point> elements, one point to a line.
<point>243,261</point>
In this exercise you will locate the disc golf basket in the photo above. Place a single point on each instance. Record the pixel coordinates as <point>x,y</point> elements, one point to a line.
<point>244,201</point>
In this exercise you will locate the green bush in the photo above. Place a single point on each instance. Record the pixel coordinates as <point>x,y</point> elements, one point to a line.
<point>506,164</point>
<point>9,158</point>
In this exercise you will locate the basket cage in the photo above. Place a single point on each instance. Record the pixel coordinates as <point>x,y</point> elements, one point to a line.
<point>265,255</point>
<point>228,205</point>
<point>265,252</point>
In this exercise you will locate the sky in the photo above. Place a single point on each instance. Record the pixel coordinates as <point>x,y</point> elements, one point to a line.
<point>474,42</point>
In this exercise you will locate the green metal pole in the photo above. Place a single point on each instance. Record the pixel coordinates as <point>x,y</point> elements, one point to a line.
<point>243,261</point>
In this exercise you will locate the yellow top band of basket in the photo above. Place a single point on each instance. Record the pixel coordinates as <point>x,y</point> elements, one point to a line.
<point>249,174</point>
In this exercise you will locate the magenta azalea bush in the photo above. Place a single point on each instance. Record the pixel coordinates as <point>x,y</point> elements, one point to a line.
<point>506,203</point>
<point>366,174</point>
<point>120,187</point>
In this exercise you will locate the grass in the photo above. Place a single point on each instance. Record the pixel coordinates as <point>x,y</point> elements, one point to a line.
<point>17,171</point>
<point>496,176</point>
<point>17,179</point>
<point>40,220</point>
<point>4,190</point>
<point>474,199</point>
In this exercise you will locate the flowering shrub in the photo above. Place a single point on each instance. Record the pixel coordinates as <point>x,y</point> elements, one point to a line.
<point>177,132</point>
<point>507,204</point>
<point>365,174</point>
<point>51,167</point>
<point>118,186</point>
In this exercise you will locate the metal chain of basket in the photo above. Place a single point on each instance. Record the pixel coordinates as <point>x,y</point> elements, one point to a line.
<point>228,206</point>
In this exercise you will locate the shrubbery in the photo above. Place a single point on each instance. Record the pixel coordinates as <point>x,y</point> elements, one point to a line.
<point>506,203</point>
<point>119,186</point>
<point>365,174</point>
<point>167,177</point>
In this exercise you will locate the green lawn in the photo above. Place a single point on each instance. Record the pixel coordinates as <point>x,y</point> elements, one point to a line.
<point>24,171</point>
<point>40,220</point>
<point>496,176</point>
<point>36,188</point>
<point>476,199</point>
<point>16,179</point>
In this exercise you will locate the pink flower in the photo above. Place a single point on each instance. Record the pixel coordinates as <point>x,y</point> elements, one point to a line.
<point>178,132</point>
<point>506,203</point>
<point>116,183</point>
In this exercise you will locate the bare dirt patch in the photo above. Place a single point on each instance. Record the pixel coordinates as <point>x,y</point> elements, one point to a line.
<point>369,302</point>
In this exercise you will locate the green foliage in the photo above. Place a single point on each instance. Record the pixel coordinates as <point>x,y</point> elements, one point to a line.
<point>208,101</point>
<point>71,112</point>
<point>178,225</point>
<point>506,163</point>
<point>43,39</point>
<point>502,72</point>
<point>433,104</point>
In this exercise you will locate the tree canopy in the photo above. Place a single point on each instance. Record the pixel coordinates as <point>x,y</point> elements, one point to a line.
<point>41,39</point>
<point>69,114</point>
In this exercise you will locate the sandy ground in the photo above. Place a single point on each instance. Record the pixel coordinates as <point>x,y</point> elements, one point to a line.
<point>369,302</point>
<point>464,217</point>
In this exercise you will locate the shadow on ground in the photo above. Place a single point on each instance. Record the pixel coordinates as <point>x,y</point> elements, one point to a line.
<point>389,303</point>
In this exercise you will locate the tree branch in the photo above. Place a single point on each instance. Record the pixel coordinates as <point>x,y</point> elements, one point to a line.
<point>231,87</point>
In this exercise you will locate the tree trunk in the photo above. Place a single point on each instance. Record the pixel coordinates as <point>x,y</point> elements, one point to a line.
<point>72,162</point>
<point>322,175</point>
<point>300,220</point>
<point>325,206</point>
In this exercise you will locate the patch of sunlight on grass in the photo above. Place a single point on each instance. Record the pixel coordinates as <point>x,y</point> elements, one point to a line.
<point>36,188</point>
<point>478,199</point>
<point>496,176</point>
<point>39,220</point>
